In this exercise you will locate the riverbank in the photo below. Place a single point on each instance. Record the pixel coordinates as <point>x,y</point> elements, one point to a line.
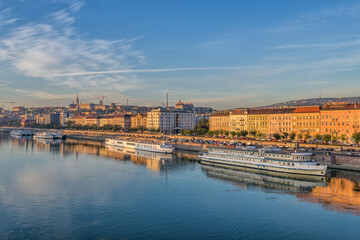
<point>334,160</point>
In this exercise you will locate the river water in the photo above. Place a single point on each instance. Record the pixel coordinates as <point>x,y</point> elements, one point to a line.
<point>83,190</point>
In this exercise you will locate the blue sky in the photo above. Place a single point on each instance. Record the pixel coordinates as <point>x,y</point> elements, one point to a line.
<point>223,54</point>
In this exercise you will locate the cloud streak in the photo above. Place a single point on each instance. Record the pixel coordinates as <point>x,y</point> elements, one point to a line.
<point>155,70</point>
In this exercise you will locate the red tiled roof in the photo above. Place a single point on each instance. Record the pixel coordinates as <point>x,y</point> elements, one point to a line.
<point>307,109</point>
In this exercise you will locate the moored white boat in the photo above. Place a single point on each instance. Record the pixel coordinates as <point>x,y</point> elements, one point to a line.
<point>19,133</point>
<point>264,159</point>
<point>141,145</point>
<point>49,135</point>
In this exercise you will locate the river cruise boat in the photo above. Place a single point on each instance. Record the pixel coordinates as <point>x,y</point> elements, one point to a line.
<point>18,133</point>
<point>162,147</point>
<point>264,159</point>
<point>49,135</point>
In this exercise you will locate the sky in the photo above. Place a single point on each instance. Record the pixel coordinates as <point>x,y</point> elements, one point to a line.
<point>223,54</point>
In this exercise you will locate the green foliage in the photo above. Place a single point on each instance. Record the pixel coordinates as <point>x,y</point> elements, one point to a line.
<point>326,138</point>
<point>253,133</point>
<point>318,137</point>
<point>202,127</point>
<point>356,138</point>
<point>244,133</point>
<point>343,138</point>
<point>300,136</point>
<point>285,135</point>
<point>276,136</point>
<point>307,136</point>
<point>232,133</point>
<point>292,136</point>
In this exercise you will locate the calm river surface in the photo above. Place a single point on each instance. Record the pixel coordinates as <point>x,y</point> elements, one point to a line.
<point>82,190</point>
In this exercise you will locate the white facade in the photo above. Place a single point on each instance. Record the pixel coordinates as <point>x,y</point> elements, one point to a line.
<point>169,121</point>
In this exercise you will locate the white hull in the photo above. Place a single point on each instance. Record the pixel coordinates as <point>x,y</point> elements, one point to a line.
<point>21,134</point>
<point>48,135</point>
<point>160,148</point>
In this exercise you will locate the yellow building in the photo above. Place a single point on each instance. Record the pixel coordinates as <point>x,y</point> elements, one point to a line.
<point>238,120</point>
<point>306,119</point>
<point>219,121</point>
<point>258,121</point>
<point>106,120</point>
<point>139,120</point>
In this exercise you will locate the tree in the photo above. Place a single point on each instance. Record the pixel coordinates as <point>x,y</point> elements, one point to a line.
<point>202,127</point>
<point>318,138</point>
<point>343,138</point>
<point>210,133</point>
<point>300,136</point>
<point>326,138</point>
<point>285,135</point>
<point>276,136</point>
<point>356,138</point>
<point>292,136</point>
<point>259,134</point>
<point>253,133</point>
<point>244,133</point>
<point>232,133</point>
<point>307,136</point>
<point>226,133</point>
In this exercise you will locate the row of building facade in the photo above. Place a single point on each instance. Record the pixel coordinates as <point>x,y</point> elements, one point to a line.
<point>167,121</point>
<point>336,119</point>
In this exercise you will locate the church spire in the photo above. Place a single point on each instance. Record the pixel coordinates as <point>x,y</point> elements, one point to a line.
<point>77,99</point>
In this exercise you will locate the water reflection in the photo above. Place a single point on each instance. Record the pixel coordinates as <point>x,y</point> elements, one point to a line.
<point>339,191</point>
<point>340,194</point>
<point>271,180</point>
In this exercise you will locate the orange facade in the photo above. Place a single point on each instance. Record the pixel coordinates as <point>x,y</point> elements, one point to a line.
<point>220,121</point>
<point>280,121</point>
<point>340,119</point>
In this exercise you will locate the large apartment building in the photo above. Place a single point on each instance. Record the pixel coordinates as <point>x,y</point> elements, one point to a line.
<point>220,120</point>
<point>280,121</point>
<point>238,120</point>
<point>340,119</point>
<point>258,120</point>
<point>170,121</point>
<point>139,120</point>
<point>334,118</point>
<point>306,119</point>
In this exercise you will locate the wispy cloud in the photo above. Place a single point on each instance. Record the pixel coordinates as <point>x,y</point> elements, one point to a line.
<point>5,18</point>
<point>316,19</point>
<point>318,82</point>
<point>53,47</point>
<point>155,70</point>
<point>320,45</point>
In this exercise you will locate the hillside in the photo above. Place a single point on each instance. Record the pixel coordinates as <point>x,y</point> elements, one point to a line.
<point>313,101</point>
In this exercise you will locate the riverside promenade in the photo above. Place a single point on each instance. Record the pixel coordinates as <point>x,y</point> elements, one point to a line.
<point>335,159</point>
